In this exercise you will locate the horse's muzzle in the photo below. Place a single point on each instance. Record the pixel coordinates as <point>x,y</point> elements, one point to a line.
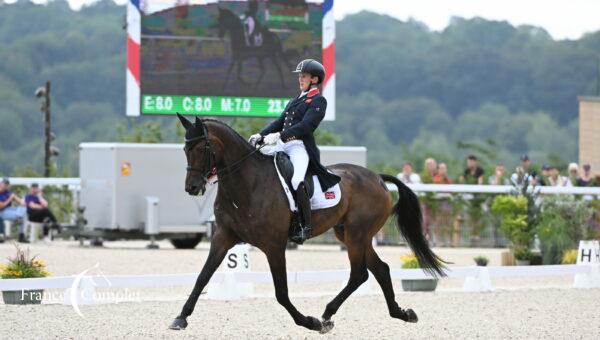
<point>195,190</point>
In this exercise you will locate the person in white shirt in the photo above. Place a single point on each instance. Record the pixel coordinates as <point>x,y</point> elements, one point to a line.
<point>556,180</point>
<point>407,176</point>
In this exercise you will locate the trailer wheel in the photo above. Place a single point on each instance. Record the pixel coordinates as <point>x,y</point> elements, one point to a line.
<point>186,243</point>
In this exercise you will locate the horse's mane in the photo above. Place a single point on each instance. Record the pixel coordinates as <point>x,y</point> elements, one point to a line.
<point>232,132</point>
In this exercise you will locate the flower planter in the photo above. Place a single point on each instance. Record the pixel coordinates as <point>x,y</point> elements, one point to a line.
<point>23,297</point>
<point>523,262</point>
<point>423,285</point>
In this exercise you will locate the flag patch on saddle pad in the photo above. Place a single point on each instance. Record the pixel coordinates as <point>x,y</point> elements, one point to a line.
<point>319,200</point>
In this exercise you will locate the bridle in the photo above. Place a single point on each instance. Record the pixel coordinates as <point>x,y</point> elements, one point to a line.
<point>209,158</point>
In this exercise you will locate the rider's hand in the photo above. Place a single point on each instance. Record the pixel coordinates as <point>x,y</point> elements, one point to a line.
<point>254,139</point>
<point>271,138</point>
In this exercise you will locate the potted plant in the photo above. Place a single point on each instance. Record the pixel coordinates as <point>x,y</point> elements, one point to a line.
<point>409,261</point>
<point>563,222</point>
<point>522,256</point>
<point>517,226</point>
<point>481,260</point>
<point>23,266</point>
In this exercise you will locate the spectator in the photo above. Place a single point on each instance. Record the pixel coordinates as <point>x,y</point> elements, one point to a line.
<point>586,179</point>
<point>573,173</point>
<point>543,179</point>
<point>473,173</point>
<point>532,175</point>
<point>38,211</point>
<point>442,218</point>
<point>556,180</point>
<point>8,212</point>
<point>520,176</point>
<point>429,170</point>
<point>407,176</point>
<point>441,176</point>
<point>499,176</point>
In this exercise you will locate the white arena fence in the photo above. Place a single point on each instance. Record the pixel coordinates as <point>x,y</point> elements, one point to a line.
<point>476,279</point>
<point>443,230</point>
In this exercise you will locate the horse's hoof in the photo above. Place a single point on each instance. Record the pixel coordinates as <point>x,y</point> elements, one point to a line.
<point>411,316</point>
<point>178,324</point>
<point>314,324</point>
<point>327,325</point>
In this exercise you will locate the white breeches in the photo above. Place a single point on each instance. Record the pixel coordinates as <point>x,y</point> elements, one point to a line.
<point>297,152</point>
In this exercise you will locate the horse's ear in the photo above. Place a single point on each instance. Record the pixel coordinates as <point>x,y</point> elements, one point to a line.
<point>186,123</point>
<point>198,122</point>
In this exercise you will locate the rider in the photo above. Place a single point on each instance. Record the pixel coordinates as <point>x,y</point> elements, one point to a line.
<point>251,24</point>
<point>293,134</point>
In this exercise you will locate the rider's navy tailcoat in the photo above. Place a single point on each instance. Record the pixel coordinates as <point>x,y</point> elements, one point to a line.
<point>299,120</point>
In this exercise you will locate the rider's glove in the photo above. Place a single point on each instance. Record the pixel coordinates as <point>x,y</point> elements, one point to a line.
<point>271,138</point>
<point>255,139</point>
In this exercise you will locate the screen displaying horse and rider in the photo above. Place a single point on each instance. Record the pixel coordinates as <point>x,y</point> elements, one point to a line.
<point>225,57</point>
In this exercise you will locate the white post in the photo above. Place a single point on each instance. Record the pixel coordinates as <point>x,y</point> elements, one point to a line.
<point>479,283</point>
<point>588,254</point>
<point>237,260</point>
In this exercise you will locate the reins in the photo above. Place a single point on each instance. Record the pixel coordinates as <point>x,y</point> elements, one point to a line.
<point>209,157</point>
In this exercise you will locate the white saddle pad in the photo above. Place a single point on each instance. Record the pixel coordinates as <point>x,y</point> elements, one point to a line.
<point>319,200</point>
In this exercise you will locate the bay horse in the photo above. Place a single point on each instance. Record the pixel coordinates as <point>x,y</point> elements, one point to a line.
<point>271,48</point>
<point>251,207</point>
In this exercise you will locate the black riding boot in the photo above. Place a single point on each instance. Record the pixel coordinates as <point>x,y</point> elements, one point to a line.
<point>304,208</point>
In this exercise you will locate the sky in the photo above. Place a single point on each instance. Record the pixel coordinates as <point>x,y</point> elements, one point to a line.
<point>563,19</point>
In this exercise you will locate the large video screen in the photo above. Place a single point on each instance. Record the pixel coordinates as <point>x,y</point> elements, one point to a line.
<point>225,58</point>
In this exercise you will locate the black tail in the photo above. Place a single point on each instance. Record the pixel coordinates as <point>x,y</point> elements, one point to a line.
<point>410,221</point>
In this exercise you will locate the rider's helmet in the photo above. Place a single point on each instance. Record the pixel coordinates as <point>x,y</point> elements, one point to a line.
<point>312,67</point>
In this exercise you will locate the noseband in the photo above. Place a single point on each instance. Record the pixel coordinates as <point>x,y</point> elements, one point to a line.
<point>208,157</point>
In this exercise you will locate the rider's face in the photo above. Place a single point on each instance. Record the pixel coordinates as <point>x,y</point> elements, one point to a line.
<point>305,79</point>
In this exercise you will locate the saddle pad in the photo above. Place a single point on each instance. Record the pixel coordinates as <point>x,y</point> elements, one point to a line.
<point>319,200</point>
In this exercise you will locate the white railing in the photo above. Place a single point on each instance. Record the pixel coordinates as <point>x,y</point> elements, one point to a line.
<point>476,278</point>
<point>495,189</point>
<point>71,182</point>
<point>74,182</point>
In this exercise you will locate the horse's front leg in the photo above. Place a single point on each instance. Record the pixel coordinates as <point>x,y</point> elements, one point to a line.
<point>222,241</point>
<point>276,260</point>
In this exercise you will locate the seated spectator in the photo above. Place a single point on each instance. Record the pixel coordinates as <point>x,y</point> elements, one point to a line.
<point>499,177</point>
<point>573,173</point>
<point>473,173</point>
<point>7,211</point>
<point>519,176</point>
<point>429,170</point>
<point>407,176</point>
<point>441,176</point>
<point>556,180</point>
<point>37,210</point>
<point>586,179</point>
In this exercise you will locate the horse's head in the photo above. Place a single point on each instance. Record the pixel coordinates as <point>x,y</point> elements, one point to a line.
<point>227,21</point>
<point>200,156</point>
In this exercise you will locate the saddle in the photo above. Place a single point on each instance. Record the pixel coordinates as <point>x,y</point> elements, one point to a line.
<point>287,171</point>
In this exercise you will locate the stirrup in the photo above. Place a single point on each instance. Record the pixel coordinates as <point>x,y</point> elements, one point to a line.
<point>303,235</point>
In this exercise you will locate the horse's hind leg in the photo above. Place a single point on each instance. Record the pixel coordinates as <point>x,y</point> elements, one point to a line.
<point>381,271</point>
<point>277,265</point>
<point>358,275</point>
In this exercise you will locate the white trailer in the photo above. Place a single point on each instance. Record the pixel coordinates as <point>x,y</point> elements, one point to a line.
<point>132,190</point>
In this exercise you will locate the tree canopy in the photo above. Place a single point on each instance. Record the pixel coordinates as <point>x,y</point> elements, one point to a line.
<point>404,91</point>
